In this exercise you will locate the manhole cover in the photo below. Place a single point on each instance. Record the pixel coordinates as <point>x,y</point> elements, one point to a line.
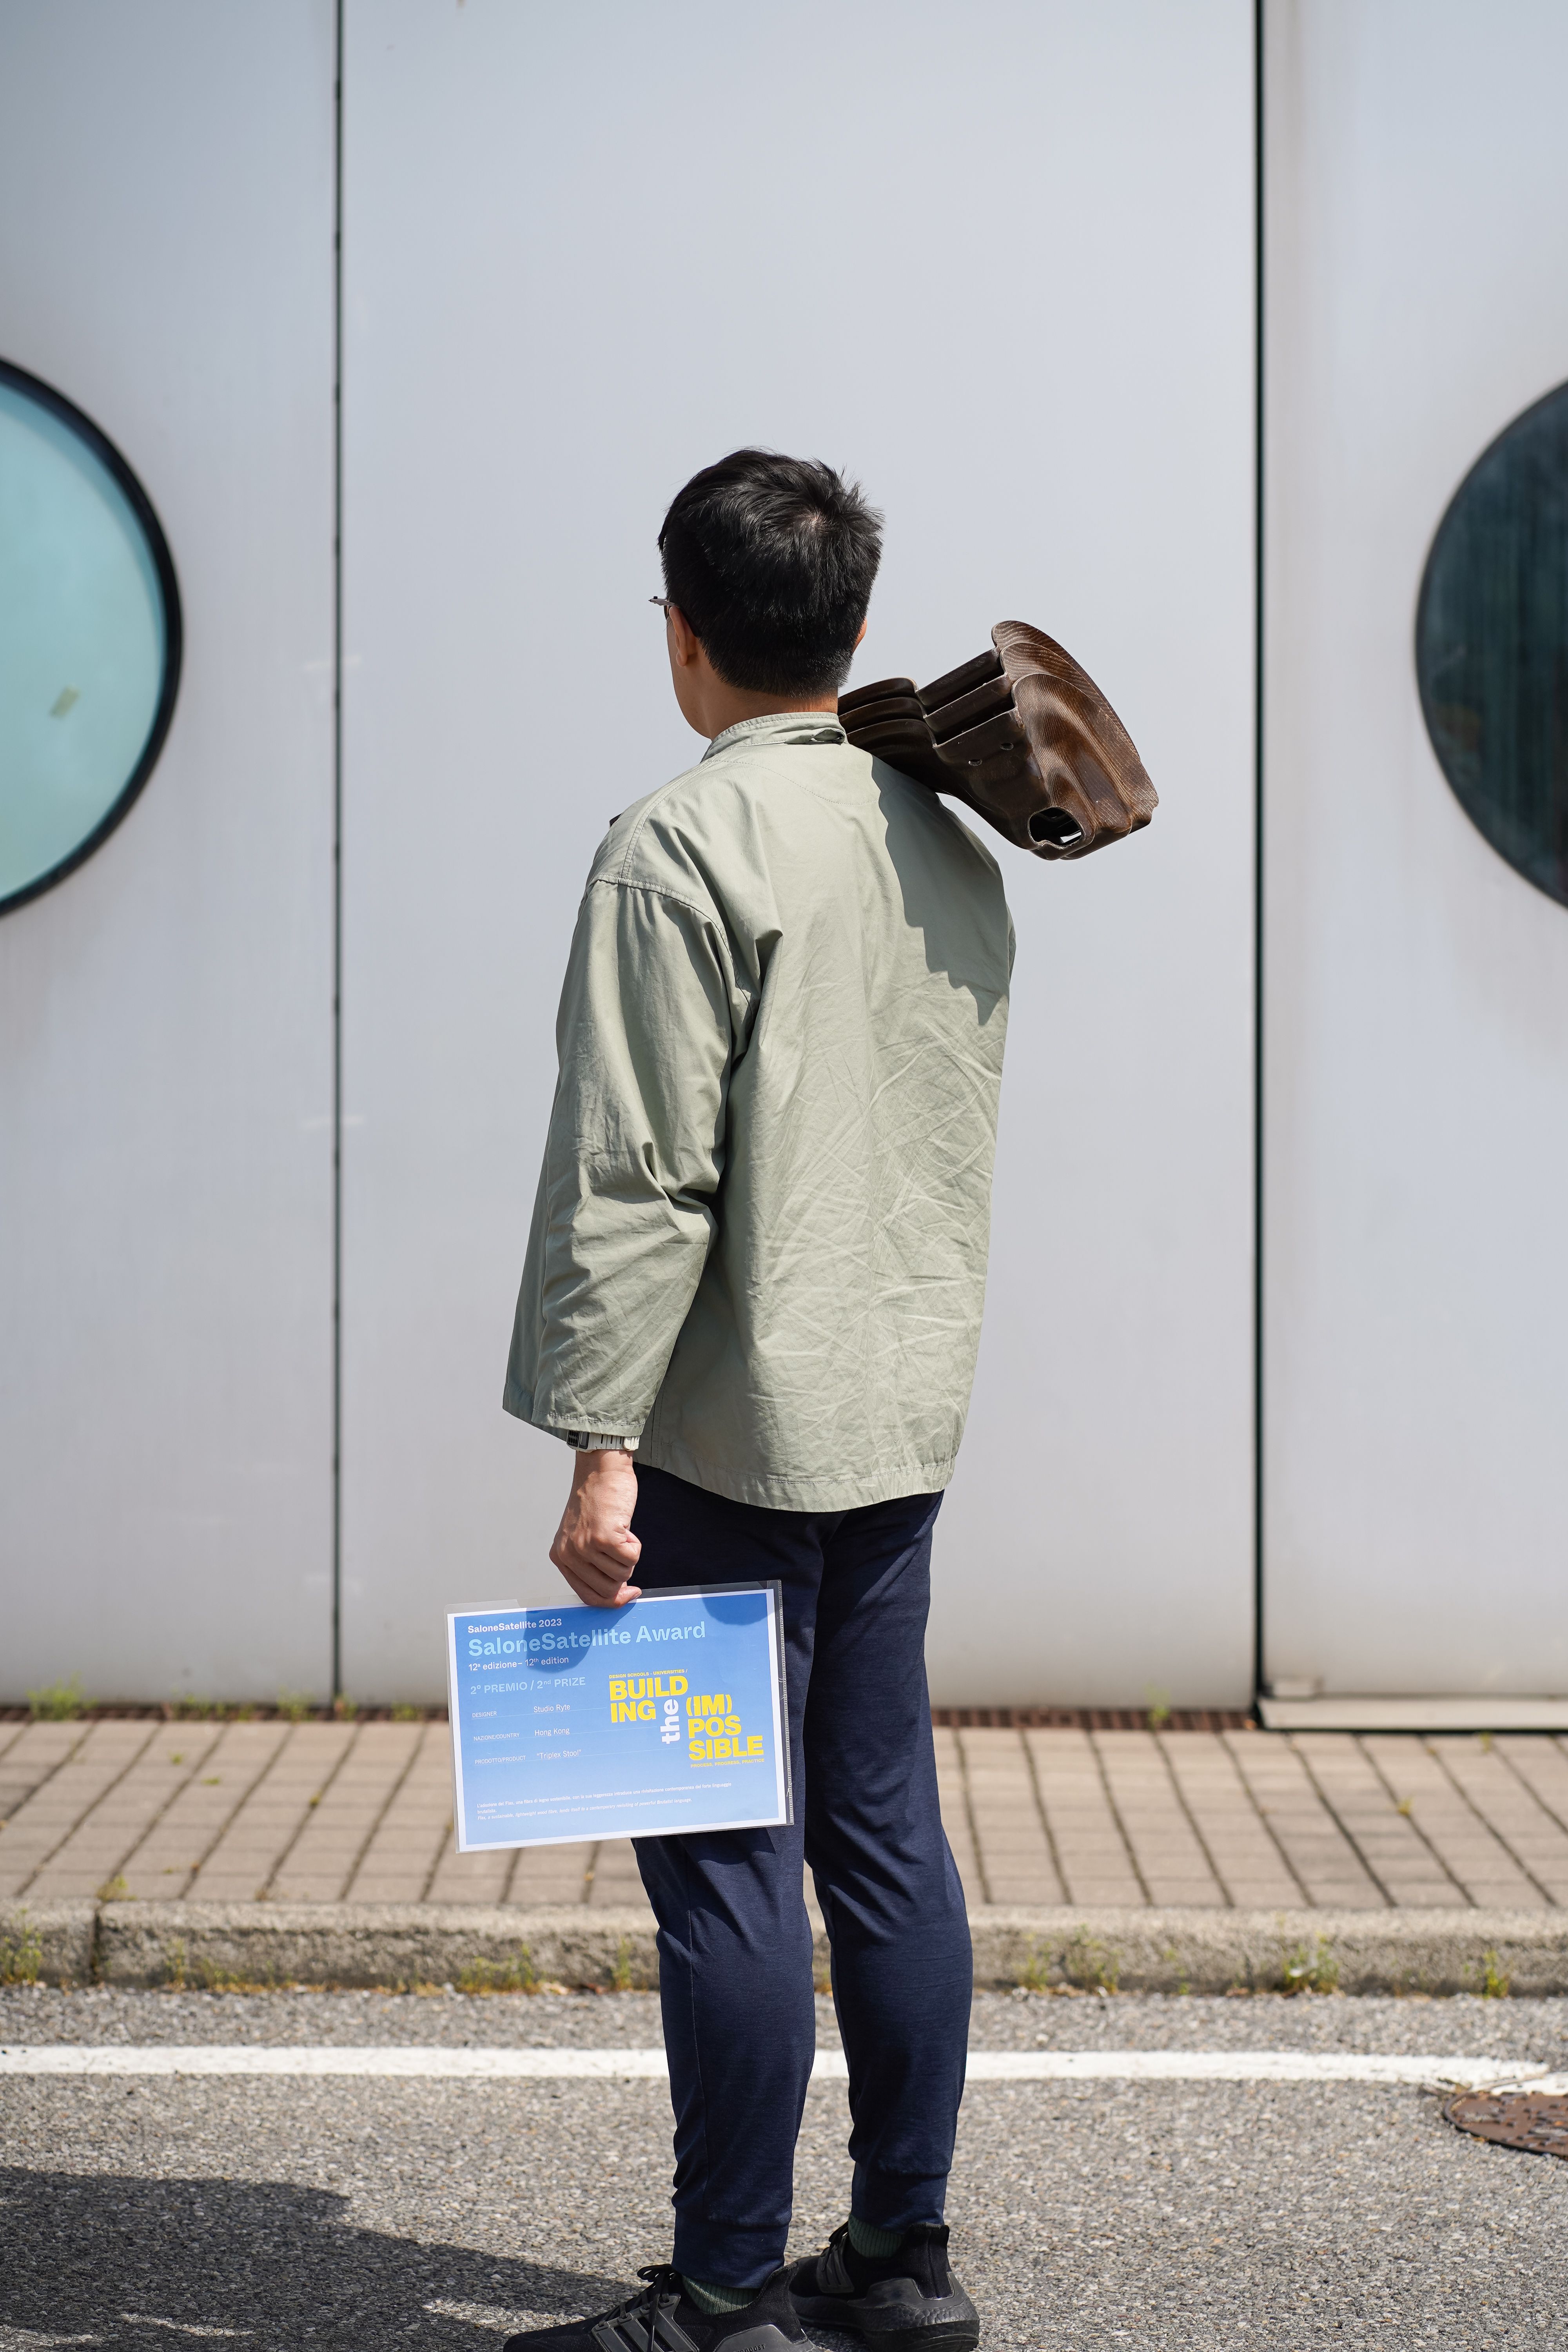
<point>1528,2119</point>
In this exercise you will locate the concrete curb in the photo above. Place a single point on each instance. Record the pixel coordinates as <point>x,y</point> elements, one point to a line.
<point>481,1948</point>
<point>221,1945</point>
<point>46,1943</point>
<point>1525,1952</point>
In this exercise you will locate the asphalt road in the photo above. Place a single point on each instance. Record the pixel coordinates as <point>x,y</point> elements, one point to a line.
<point>328,2213</point>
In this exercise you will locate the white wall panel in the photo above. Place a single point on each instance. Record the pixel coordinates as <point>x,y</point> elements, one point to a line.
<point>1416,989</point>
<point>998,262</point>
<point>165,1014</point>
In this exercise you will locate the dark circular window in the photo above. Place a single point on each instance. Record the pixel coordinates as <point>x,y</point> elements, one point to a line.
<point>1491,644</point>
<point>90,637</point>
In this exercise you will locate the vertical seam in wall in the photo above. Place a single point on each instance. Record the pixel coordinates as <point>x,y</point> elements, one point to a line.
<point>338,853</point>
<point>1257,664</point>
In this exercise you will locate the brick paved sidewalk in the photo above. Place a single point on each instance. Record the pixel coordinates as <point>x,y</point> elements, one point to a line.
<point>1247,1819</point>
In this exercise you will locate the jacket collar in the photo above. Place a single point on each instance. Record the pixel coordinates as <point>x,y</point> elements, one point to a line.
<point>780,726</point>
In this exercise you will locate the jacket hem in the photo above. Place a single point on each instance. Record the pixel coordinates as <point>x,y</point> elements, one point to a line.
<point>789,1491</point>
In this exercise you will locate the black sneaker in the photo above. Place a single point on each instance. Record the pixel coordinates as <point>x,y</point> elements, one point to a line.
<point>663,2318</point>
<point>906,2301</point>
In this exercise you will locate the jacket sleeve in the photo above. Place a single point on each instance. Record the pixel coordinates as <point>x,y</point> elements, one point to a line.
<point>624,1213</point>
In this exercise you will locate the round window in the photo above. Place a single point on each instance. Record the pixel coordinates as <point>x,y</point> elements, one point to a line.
<point>1491,644</point>
<point>90,637</point>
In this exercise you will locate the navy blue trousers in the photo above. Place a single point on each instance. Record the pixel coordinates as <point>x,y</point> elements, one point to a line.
<point>735,1942</point>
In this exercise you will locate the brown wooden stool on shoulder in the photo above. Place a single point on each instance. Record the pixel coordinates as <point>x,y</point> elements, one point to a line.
<point>1022,735</point>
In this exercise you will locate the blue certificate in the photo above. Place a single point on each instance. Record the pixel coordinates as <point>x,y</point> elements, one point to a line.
<point>652,1720</point>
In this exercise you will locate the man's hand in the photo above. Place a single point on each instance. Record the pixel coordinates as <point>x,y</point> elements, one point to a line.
<point>594,1548</point>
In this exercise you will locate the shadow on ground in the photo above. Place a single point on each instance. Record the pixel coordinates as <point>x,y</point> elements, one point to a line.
<point>127,2263</point>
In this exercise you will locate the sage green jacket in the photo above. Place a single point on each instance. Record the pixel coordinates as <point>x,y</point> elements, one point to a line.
<point>758,1241</point>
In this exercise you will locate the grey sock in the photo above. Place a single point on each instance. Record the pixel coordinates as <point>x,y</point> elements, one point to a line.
<point>714,2300</point>
<point>874,2243</point>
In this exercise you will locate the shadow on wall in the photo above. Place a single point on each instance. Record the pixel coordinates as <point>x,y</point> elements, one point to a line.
<point>125,2262</point>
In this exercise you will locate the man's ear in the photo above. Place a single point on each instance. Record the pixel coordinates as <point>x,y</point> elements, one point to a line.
<point>864,626</point>
<point>683,644</point>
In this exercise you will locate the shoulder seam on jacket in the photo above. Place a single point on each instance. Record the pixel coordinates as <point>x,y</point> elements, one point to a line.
<point>646,809</point>
<point>654,890</point>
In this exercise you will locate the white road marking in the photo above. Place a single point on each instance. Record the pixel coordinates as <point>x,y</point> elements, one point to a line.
<point>394,2061</point>
<point>387,2059</point>
<point>1247,2066</point>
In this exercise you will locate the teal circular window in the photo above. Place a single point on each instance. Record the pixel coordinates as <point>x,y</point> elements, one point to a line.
<point>90,637</point>
<point>1491,644</point>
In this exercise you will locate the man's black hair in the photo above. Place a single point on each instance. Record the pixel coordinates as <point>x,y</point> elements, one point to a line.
<point>772,559</point>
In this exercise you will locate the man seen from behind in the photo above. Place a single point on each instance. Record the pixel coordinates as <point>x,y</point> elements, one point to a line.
<point>752,1303</point>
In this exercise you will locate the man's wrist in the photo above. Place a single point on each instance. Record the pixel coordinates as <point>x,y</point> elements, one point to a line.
<point>590,1441</point>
